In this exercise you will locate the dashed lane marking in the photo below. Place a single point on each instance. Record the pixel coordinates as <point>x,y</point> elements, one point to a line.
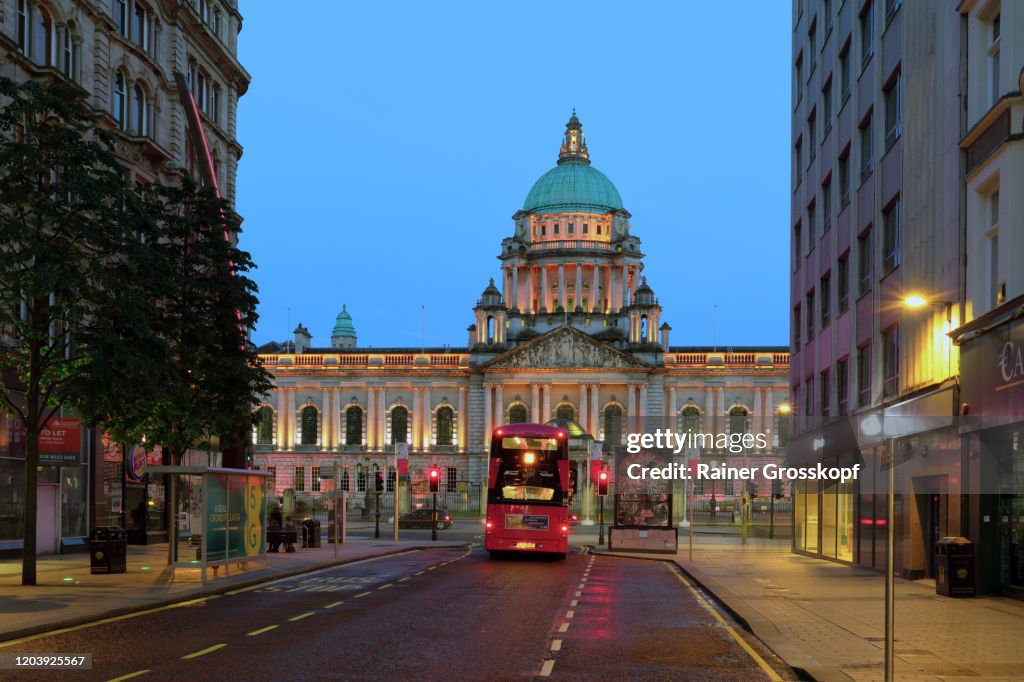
<point>260,631</point>
<point>579,594</point>
<point>431,568</point>
<point>574,602</point>
<point>556,645</point>
<point>545,670</point>
<point>312,573</point>
<point>362,595</point>
<point>402,580</point>
<point>569,614</point>
<point>130,675</point>
<point>333,604</point>
<point>197,654</point>
<point>419,572</point>
<point>384,587</point>
<point>307,614</point>
<point>772,675</point>
<point>564,627</point>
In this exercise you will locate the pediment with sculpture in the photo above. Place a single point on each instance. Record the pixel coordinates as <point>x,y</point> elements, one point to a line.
<point>565,348</point>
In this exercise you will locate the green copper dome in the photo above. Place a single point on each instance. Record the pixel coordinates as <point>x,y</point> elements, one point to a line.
<point>343,326</point>
<point>573,187</point>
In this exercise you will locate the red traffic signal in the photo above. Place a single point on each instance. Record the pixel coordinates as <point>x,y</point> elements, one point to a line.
<point>602,483</point>
<point>434,476</point>
<point>378,484</point>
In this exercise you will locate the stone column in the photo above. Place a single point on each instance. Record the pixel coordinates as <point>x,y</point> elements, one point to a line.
<point>289,416</point>
<point>499,406</point>
<point>595,290</point>
<point>561,285</point>
<point>625,285</point>
<point>371,418</point>
<point>515,288</point>
<point>463,419</point>
<point>631,400</point>
<point>543,298</point>
<point>336,415</point>
<point>758,409</point>
<point>426,423</point>
<point>487,415</point>
<point>578,303</point>
<point>720,390</point>
<point>282,412</point>
<point>417,421</point>
<point>769,416</point>
<point>643,400</point>
<point>530,291</point>
<point>382,412</point>
<point>595,410</point>
<point>545,408</point>
<point>584,389</point>
<point>670,409</point>
<point>326,432</point>
<point>534,403</point>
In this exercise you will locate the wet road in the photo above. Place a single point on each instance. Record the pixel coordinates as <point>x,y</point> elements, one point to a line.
<point>426,615</point>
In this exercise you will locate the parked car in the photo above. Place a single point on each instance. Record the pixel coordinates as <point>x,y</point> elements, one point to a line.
<point>424,518</point>
<point>574,519</point>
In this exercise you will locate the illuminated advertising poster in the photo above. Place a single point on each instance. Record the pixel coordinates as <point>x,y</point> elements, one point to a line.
<point>235,513</point>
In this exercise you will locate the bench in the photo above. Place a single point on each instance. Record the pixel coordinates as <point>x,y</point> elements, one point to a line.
<point>285,536</point>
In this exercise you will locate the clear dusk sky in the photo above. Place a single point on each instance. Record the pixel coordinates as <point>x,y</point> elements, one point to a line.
<point>387,145</point>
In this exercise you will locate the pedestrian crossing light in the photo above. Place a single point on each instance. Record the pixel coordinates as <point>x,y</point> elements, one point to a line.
<point>379,482</point>
<point>434,476</point>
<point>602,483</point>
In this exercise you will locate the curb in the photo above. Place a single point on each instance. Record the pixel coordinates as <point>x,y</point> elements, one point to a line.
<point>7,638</point>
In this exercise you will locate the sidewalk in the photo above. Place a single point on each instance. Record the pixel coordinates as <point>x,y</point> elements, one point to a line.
<point>68,594</point>
<point>827,619</point>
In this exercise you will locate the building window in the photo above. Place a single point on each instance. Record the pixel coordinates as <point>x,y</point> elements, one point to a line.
<point>864,376</point>
<point>812,137</point>
<point>844,180</point>
<point>809,398</point>
<point>812,228</point>
<point>120,96</point>
<point>399,425</point>
<point>824,291</point>
<point>43,37</point>
<point>866,162</point>
<point>798,240</point>
<point>890,362</point>
<point>314,480</point>
<point>346,480</point>
<point>265,426</point>
<point>23,27</point>
<point>798,160</point>
<point>299,484</point>
<point>844,73</point>
<point>273,475</point>
<point>517,414</point>
<point>995,282</point>
<point>308,420</point>
<point>864,263</point>
<point>799,77</point>
<point>842,386</point>
<point>843,282</point>
<point>867,37</point>
<point>445,421</point>
<point>138,110</point>
<point>613,425</point>
<point>810,314</point>
<point>993,60</point>
<point>826,205</point>
<point>891,238</point>
<point>140,26</point>
<point>812,45</point>
<point>354,425</point>
<point>893,112</point>
<point>796,327</point>
<point>739,419</point>
<point>121,17</point>
<point>572,228</point>
<point>361,475</point>
<point>390,481</point>
<point>451,481</point>
<point>824,389</point>
<point>586,228</point>
<point>689,420</point>
<point>826,108</point>
<point>70,50</point>
<point>890,9</point>
<point>565,411</point>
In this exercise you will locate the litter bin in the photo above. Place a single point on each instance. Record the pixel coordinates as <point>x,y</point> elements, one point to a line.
<point>108,550</point>
<point>954,567</point>
<point>310,533</point>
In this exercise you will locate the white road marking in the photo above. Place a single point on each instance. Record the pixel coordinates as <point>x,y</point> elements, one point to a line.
<point>307,614</point>
<point>556,645</point>
<point>570,614</point>
<point>260,631</point>
<point>208,650</point>
<point>564,627</point>
<point>545,670</point>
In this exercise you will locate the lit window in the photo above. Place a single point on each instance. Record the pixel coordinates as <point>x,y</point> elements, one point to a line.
<point>893,112</point>
<point>890,362</point>
<point>891,238</point>
<point>120,96</point>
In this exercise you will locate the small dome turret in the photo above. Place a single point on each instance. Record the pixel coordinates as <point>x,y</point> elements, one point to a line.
<point>491,298</point>
<point>644,294</point>
<point>344,333</point>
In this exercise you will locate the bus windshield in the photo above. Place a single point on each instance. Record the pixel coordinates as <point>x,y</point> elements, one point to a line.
<point>527,474</point>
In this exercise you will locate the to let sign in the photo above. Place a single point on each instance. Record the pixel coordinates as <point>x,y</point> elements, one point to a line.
<point>60,442</point>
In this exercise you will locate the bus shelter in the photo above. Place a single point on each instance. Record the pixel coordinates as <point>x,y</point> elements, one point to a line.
<point>222,519</point>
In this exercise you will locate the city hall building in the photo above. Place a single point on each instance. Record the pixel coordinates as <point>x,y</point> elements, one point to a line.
<point>569,328</point>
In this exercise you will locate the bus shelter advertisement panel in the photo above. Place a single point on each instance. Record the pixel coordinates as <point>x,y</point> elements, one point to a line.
<point>235,513</point>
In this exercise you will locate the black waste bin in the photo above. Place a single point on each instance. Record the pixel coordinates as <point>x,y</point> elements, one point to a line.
<point>108,550</point>
<point>954,567</point>
<point>310,533</point>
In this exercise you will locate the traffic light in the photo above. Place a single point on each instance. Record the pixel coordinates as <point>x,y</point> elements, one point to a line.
<point>434,476</point>
<point>602,483</point>
<point>378,483</point>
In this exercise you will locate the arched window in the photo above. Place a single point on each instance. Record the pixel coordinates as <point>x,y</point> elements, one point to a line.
<point>445,419</point>
<point>42,38</point>
<point>354,425</point>
<point>139,113</point>
<point>565,411</point>
<point>264,425</point>
<point>309,420</point>
<point>738,419</point>
<point>613,425</point>
<point>517,414</point>
<point>119,101</point>
<point>68,48</point>
<point>23,26</point>
<point>643,329</point>
<point>689,419</point>
<point>490,330</point>
<point>399,425</point>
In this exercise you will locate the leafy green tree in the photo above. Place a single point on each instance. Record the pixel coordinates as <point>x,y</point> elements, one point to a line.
<point>64,244</point>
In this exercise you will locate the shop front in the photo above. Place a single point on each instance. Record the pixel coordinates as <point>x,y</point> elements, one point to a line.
<point>992,428</point>
<point>135,500</point>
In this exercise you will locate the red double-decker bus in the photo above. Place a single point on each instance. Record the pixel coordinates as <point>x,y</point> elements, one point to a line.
<point>528,490</point>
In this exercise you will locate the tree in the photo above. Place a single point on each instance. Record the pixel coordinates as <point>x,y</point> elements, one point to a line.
<point>64,244</point>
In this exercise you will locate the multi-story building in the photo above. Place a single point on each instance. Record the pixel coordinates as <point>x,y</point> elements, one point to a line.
<point>571,330</point>
<point>134,60</point>
<point>898,238</point>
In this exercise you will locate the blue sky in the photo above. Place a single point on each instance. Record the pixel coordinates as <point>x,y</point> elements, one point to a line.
<point>387,146</point>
